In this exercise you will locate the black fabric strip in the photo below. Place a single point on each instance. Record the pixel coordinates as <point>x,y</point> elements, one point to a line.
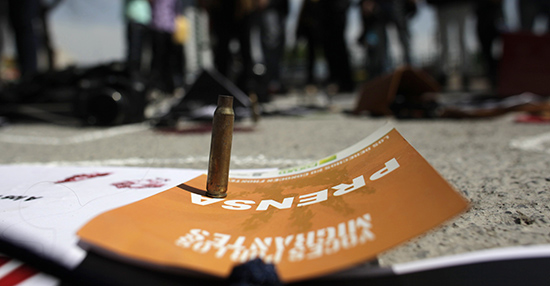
<point>533,271</point>
<point>99,270</point>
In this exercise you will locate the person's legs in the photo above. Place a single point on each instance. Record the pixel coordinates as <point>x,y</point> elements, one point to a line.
<point>488,14</point>
<point>272,38</point>
<point>377,41</point>
<point>334,45</point>
<point>3,16</point>
<point>134,36</point>
<point>245,80</point>
<point>161,74</point>
<point>177,65</point>
<point>462,11</point>
<point>222,27</point>
<point>401,24</point>
<point>311,57</point>
<point>442,37</point>
<point>21,14</point>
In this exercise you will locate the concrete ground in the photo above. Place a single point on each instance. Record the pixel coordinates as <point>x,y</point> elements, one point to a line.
<point>501,166</point>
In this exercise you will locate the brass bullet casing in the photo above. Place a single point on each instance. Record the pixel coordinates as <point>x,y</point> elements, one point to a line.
<point>220,148</point>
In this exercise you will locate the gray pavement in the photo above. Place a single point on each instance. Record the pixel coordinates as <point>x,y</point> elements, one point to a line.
<point>501,166</point>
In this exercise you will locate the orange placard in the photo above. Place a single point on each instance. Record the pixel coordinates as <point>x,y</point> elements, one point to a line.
<point>308,223</point>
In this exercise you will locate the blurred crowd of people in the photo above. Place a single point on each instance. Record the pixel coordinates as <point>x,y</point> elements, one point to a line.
<point>235,20</point>
<point>160,25</point>
<point>229,21</point>
<point>451,17</point>
<point>155,23</point>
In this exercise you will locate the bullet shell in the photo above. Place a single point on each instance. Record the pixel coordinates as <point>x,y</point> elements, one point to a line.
<point>220,148</point>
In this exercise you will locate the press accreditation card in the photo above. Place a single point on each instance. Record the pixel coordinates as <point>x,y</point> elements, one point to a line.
<point>308,221</point>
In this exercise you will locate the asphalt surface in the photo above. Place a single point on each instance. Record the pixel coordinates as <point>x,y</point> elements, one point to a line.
<point>501,166</point>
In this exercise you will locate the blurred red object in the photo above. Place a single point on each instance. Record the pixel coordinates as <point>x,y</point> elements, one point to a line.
<point>533,118</point>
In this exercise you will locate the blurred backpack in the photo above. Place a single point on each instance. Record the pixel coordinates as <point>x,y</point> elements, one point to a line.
<point>405,93</point>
